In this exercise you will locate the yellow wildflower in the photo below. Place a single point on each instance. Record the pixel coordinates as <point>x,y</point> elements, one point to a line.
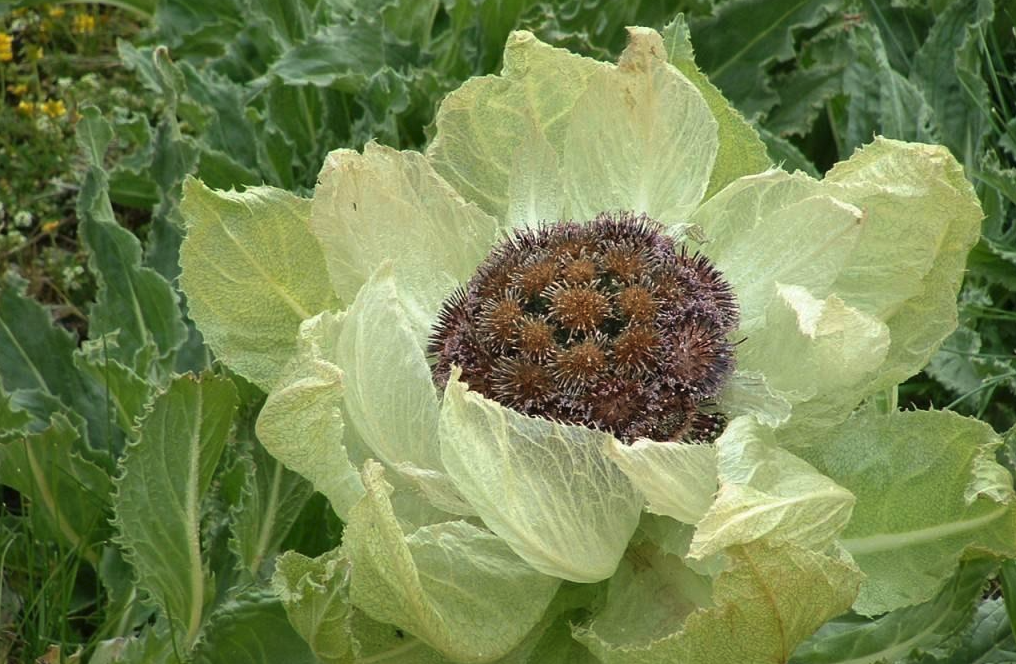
<point>56,12</point>
<point>84,24</point>
<point>6,47</point>
<point>26,107</point>
<point>35,53</point>
<point>54,108</point>
<point>19,89</point>
<point>51,226</point>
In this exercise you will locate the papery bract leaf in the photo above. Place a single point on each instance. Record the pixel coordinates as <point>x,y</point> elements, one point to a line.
<point>768,493</point>
<point>165,475</point>
<point>390,396</point>
<point>776,228</point>
<point>641,138</point>
<point>921,219</point>
<point>252,273</point>
<point>810,347</point>
<point>546,488</point>
<point>301,422</point>
<point>764,604</point>
<point>740,151</point>
<point>677,479</point>
<point>477,140</point>
<point>389,205</point>
<point>915,515</point>
<point>453,585</point>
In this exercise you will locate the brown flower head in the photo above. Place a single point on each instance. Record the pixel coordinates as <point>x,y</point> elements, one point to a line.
<point>608,324</point>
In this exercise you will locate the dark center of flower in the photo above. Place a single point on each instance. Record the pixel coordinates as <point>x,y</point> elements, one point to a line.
<point>606,324</point>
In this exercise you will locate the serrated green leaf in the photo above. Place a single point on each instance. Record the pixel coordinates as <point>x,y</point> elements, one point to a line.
<point>948,67</point>
<point>742,38</point>
<point>69,495</point>
<point>740,152</point>
<point>387,205</point>
<point>786,155</point>
<point>548,489</point>
<point>456,587</point>
<point>125,391</point>
<point>269,505</point>
<point>987,640</point>
<point>880,100</point>
<point>890,638</point>
<point>252,273</point>
<point>37,356</point>
<point>251,628</point>
<point>768,493</point>
<point>906,544</point>
<point>803,93</point>
<point>763,605</point>
<point>164,477</point>
<point>301,422</point>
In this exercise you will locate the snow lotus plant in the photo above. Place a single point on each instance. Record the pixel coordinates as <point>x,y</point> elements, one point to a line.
<point>591,380</point>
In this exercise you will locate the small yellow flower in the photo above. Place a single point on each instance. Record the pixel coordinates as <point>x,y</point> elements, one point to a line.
<point>19,89</point>
<point>26,107</point>
<point>54,108</point>
<point>6,47</point>
<point>51,226</point>
<point>56,12</point>
<point>84,24</point>
<point>35,53</point>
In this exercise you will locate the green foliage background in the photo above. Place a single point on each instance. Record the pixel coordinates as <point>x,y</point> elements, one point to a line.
<point>244,92</point>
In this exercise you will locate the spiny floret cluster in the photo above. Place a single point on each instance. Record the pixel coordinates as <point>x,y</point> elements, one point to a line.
<point>606,324</point>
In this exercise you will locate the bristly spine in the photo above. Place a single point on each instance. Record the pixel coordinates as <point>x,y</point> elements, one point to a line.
<point>608,324</point>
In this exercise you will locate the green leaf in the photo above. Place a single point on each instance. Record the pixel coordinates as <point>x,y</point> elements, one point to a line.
<point>546,488</point>
<point>269,505</point>
<point>252,273</point>
<point>677,479</point>
<point>763,605</point>
<point>477,141</point>
<point>342,55</point>
<point>134,301</point>
<point>68,494</point>
<point>457,587</point>
<point>301,422</point>
<point>880,100</point>
<point>641,138</point>
<point>786,155</point>
<point>948,68</point>
<point>907,544</point>
<point>251,627</point>
<point>388,205</point>
<point>768,493</point>
<point>803,95</point>
<point>37,356</point>
<point>742,38</point>
<point>740,152</point>
<point>126,391</point>
<point>894,636</point>
<point>164,477</point>
<point>989,638</point>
